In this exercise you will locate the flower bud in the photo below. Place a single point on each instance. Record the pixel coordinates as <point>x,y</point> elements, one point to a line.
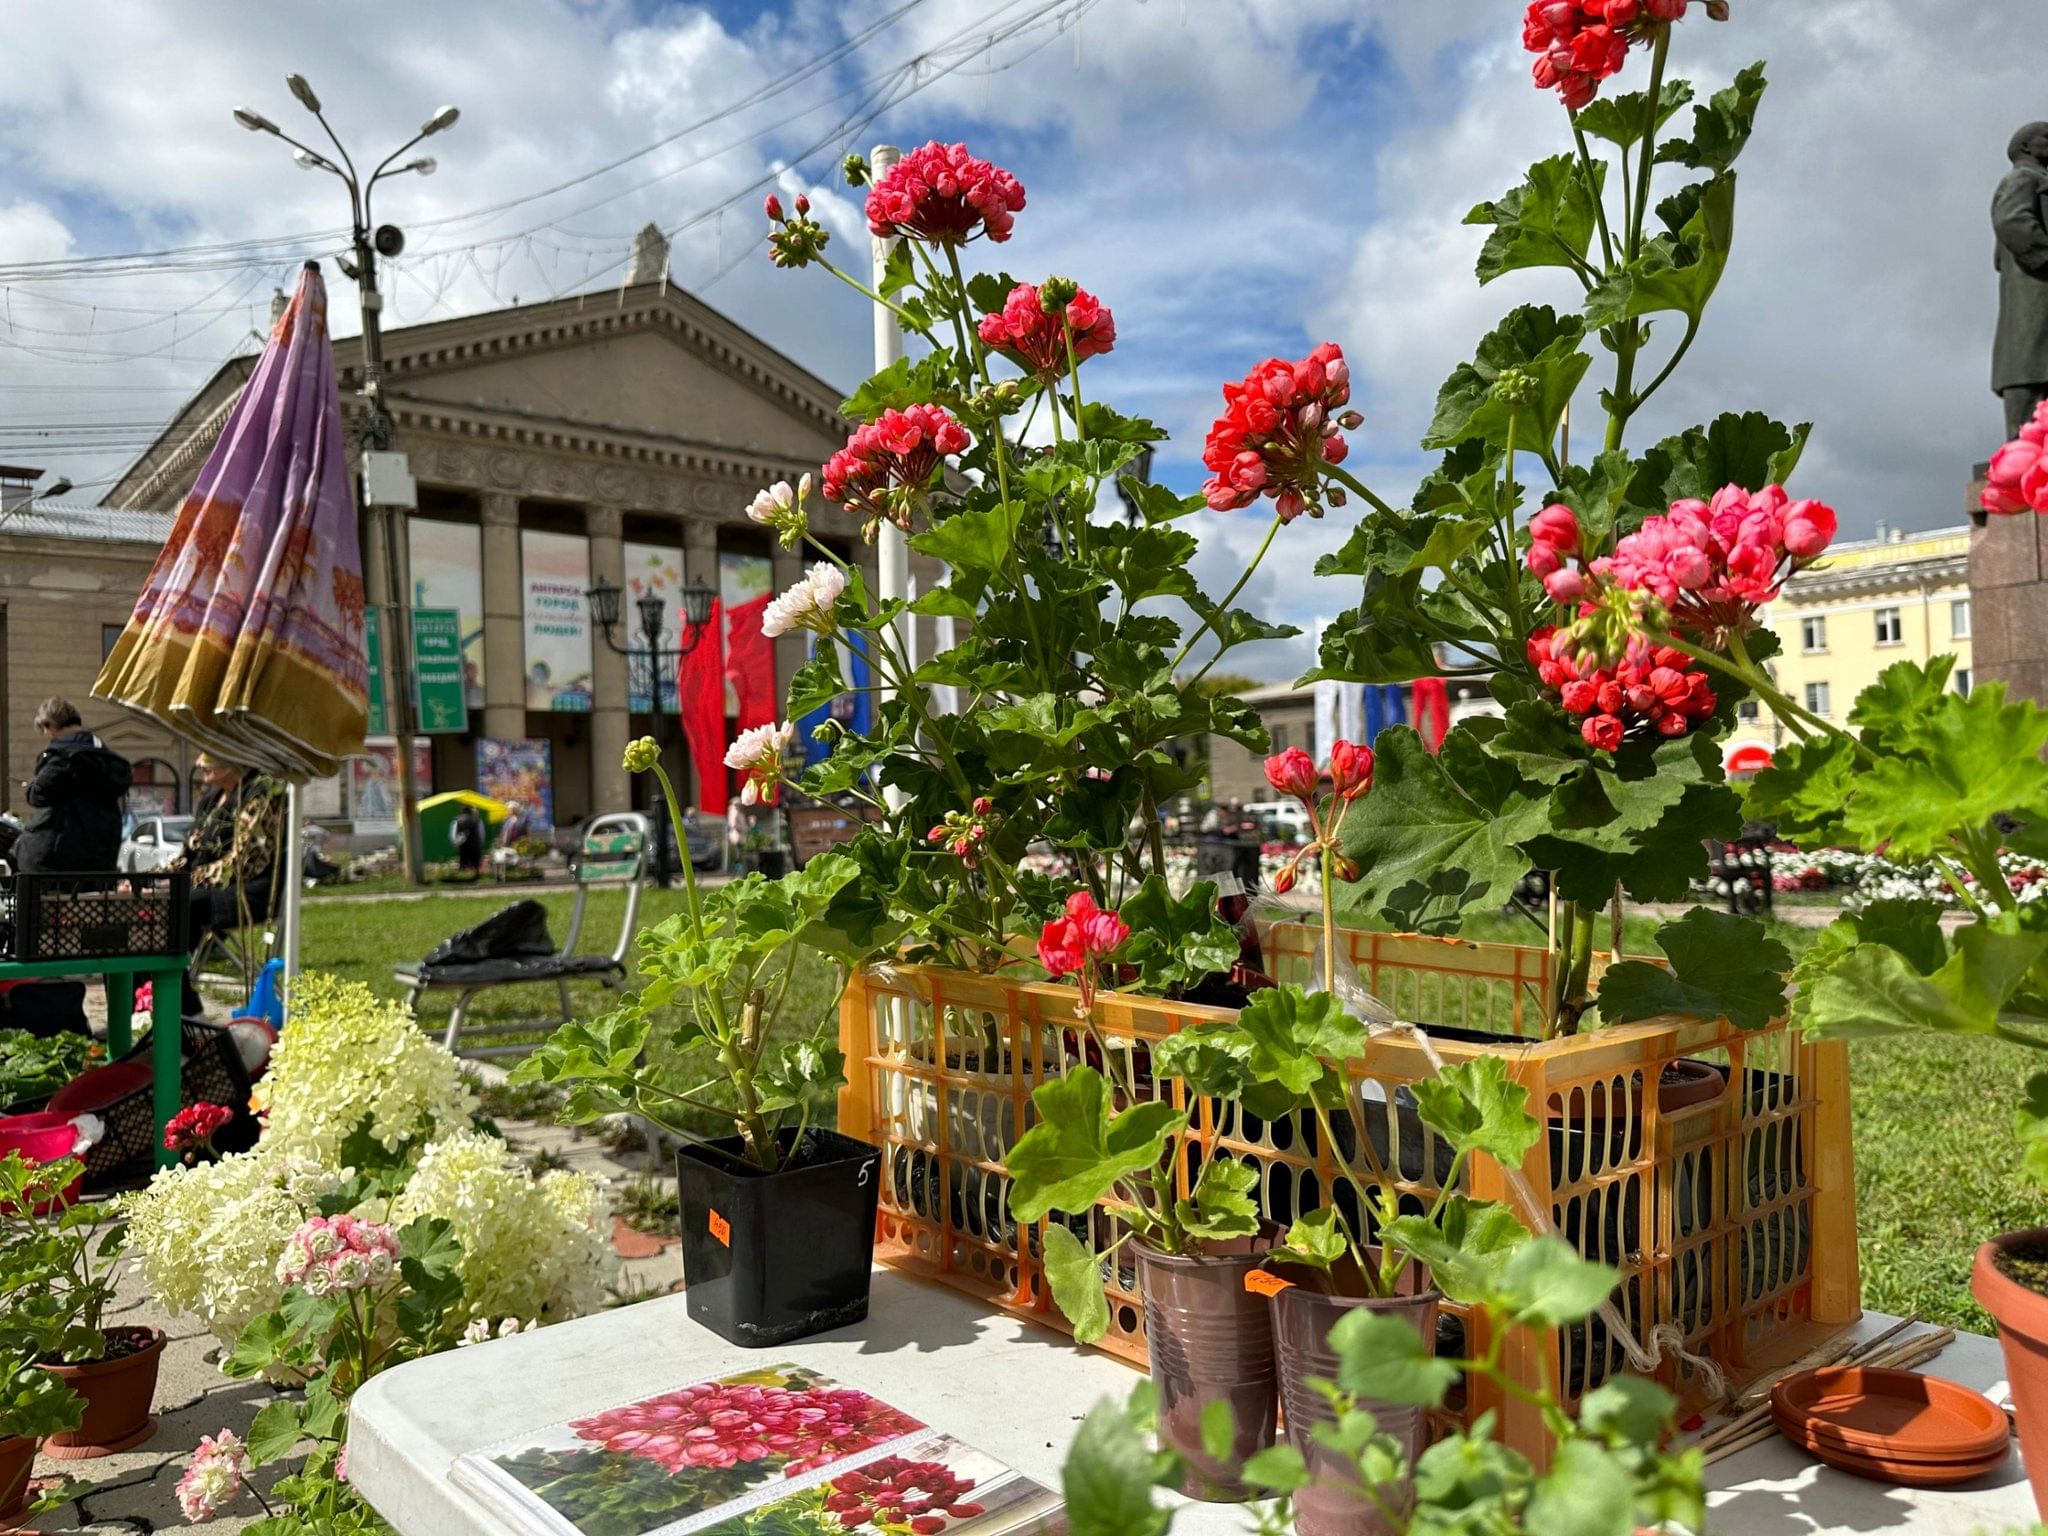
<point>1556,526</point>
<point>962,847</point>
<point>1292,772</point>
<point>1346,868</point>
<point>803,203</point>
<point>1565,585</point>
<point>1351,769</point>
<point>1283,880</point>
<point>772,206</point>
<point>855,169</point>
<point>642,755</point>
<point>936,835</point>
<point>983,805</point>
<point>1056,293</point>
<point>1351,421</point>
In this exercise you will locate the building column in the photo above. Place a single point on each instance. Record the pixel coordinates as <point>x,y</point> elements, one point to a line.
<point>610,787</point>
<point>504,619</point>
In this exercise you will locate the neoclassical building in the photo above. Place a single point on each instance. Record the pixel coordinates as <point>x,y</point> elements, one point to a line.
<point>615,435</point>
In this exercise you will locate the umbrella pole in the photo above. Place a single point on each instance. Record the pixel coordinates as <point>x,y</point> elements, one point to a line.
<point>294,891</point>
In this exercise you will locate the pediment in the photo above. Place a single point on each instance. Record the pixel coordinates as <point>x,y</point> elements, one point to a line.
<point>647,379</point>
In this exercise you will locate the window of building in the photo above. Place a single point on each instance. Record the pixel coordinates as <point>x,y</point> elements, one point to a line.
<point>1961,680</point>
<point>1747,710</point>
<point>1959,619</point>
<point>1279,735</point>
<point>1890,628</point>
<point>1817,698</point>
<point>110,634</point>
<point>1813,634</point>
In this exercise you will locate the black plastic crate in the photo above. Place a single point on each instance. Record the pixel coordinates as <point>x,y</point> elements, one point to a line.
<point>93,916</point>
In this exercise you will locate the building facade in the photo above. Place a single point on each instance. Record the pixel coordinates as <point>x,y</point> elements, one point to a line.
<point>618,435</point>
<point>1864,606</point>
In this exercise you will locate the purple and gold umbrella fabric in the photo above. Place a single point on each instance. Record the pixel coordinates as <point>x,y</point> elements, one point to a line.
<point>248,637</point>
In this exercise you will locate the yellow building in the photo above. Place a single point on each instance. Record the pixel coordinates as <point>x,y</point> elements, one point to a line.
<point>1897,597</point>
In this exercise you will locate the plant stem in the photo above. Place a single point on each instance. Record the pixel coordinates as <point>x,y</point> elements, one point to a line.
<point>1594,191</point>
<point>1637,200</point>
<point>1229,598</point>
<point>1344,477</point>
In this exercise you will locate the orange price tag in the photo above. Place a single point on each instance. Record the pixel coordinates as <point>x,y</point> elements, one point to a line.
<point>720,1228</point>
<point>1262,1282</point>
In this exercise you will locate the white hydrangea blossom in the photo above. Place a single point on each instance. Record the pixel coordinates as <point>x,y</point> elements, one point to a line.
<point>350,1053</point>
<point>531,1248</point>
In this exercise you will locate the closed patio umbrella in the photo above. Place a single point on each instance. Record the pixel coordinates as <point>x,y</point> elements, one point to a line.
<point>247,639</point>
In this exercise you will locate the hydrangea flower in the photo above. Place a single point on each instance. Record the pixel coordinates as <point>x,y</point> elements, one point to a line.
<point>757,753</point>
<point>945,196</point>
<point>882,471</point>
<point>1279,428</point>
<point>1028,330</point>
<point>807,604</point>
<point>220,1467</point>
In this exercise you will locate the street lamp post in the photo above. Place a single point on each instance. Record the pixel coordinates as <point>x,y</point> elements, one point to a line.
<point>384,519</point>
<point>662,661</point>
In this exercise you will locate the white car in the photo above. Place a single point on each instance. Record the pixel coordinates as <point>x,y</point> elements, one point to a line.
<point>1284,820</point>
<point>153,842</point>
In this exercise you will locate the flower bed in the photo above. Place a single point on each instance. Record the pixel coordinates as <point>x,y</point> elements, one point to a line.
<point>1733,1218</point>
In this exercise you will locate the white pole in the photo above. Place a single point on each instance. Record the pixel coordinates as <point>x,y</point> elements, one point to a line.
<point>294,891</point>
<point>892,554</point>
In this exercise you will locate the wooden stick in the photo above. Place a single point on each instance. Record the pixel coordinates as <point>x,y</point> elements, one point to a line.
<point>1754,1425</point>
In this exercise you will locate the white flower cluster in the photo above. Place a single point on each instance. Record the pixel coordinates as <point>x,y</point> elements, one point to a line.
<point>480,1331</point>
<point>807,604</point>
<point>350,1053</point>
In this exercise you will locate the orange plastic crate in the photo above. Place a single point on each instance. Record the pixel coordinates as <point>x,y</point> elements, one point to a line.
<point>1734,1218</point>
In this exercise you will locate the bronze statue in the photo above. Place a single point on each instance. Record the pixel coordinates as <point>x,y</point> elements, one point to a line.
<point>2019,217</point>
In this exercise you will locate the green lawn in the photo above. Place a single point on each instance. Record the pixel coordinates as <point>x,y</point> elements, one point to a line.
<point>1936,1164</point>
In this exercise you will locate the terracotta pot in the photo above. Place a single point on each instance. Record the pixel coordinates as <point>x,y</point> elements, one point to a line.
<point>17,1460</point>
<point>1211,1342</point>
<point>117,1396</point>
<point>1302,1321</point>
<point>2022,1318</point>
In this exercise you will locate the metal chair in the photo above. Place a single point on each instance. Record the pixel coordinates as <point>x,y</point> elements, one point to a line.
<point>614,848</point>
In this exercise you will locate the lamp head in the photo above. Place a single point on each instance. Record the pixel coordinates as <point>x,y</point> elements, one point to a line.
<point>309,161</point>
<point>445,118</point>
<point>304,92</point>
<point>603,598</point>
<point>58,486</point>
<point>696,600</point>
<point>255,122</point>
<point>426,165</point>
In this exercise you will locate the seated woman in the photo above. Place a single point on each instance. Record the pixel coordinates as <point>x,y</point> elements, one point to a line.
<point>233,849</point>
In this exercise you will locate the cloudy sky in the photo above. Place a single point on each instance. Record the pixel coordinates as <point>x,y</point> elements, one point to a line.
<point>1236,178</point>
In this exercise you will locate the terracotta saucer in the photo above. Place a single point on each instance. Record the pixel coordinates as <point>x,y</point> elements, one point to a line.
<point>1911,1474</point>
<point>1900,1417</point>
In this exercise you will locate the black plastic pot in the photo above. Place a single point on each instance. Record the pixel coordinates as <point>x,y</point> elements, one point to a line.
<point>770,1257</point>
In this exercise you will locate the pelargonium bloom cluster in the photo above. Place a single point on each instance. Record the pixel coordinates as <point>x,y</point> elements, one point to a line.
<point>330,1255</point>
<point>1709,565</point>
<point>807,604</point>
<point>220,1467</point>
<point>781,508</point>
<point>192,1129</point>
<point>1076,941</point>
<point>794,242</point>
<point>963,833</point>
<point>2018,477</point>
<point>1294,773</point>
<point>922,1495</point>
<point>721,1424</point>
<point>1280,426</point>
<point>883,469</point>
<point>1649,688</point>
<point>1028,329</point>
<point>757,753</point>
<point>1579,43</point>
<point>944,195</point>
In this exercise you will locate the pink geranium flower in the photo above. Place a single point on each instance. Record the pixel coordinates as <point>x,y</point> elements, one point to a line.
<point>943,195</point>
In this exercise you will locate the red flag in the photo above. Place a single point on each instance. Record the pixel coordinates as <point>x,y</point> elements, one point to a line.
<point>700,706</point>
<point>1430,709</point>
<point>750,662</point>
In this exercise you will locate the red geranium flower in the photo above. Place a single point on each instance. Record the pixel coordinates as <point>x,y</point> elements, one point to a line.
<point>885,465</point>
<point>1023,332</point>
<point>1279,427</point>
<point>944,195</point>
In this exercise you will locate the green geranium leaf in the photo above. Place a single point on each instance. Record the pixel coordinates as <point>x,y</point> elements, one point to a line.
<point>1913,928</point>
<point>1285,1049</point>
<point>1722,967</point>
<point>1721,126</point>
<point>1158,503</point>
<point>977,541</point>
<point>1279,1469</point>
<point>1237,626</point>
<point>906,381</point>
<point>1621,119</point>
<point>2030,1124</point>
<point>1075,1153</point>
<point>1803,791</point>
<point>1890,712</point>
<point>1627,1410</point>
<point>1219,1430</point>
<point>1442,832</point>
<point>1872,988</point>
<point>1075,1275</point>
<point>1317,1239</point>
<point>1969,759</point>
<point>1749,450</point>
<point>1678,270</point>
<point>1224,1203</point>
<point>1545,222</point>
<point>1476,1108</point>
<point>1111,1471</point>
<point>1542,350</point>
<point>276,1428</point>
<point>1596,492</point>
<point>1468,1469</point>
<point>1175,941</point>
<point>1383,640</point>
<point>1464,1247</point>
<point>817,682</point>
<point>1382,1359</point>
<point>1586,1492</point>
<point>1546,1281</point>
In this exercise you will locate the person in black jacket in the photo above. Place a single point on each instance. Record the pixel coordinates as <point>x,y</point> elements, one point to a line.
<point>75,796</point>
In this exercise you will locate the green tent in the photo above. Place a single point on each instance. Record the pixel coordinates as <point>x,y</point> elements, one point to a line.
<point>437,821</point>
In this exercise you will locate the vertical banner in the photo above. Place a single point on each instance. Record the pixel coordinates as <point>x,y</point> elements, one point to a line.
<point>1352,724</point>
<point>373,652</point>
<point>652,570</point>
<point>555,573</point>
<point>1328,708</point>
<point>520,773</point>
<point>440,703</point>
<point>373,780</point>
<point>448,572</point>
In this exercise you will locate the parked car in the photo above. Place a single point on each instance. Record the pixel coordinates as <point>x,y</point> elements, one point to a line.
<point>1284,821</point>
<point>152,843</point>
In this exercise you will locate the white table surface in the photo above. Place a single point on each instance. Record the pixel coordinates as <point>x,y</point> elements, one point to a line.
<point>1004,1386</point>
